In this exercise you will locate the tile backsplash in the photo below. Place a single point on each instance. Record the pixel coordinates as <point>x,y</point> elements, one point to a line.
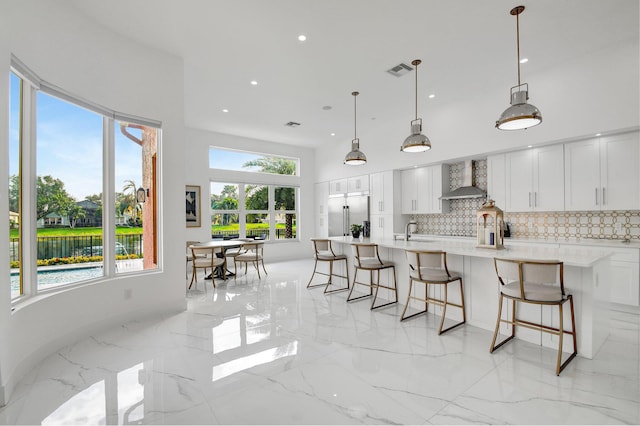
<point>461,219</point>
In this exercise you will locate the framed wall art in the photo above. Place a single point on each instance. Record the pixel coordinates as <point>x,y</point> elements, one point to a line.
<point>192,202</point>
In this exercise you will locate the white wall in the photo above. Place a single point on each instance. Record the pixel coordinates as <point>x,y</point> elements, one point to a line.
<point>197,172</point>
<point>594,94</point>
<point>66,49</point>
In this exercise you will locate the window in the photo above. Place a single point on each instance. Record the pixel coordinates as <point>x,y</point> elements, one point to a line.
<point>267,211</point>
<point>228,159</point>
<point>71,221</point>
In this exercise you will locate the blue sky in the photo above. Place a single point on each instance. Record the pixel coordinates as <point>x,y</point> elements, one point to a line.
<point>69,146</point>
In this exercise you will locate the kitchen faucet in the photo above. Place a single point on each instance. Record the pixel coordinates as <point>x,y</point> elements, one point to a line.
<point>407,235</point>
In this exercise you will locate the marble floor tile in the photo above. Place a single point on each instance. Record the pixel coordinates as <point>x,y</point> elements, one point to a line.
<point>271,351</point>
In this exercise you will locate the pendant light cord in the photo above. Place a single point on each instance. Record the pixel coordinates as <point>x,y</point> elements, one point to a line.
<point>518,43</point>
<point>355,115</point>
<point>417,90</point>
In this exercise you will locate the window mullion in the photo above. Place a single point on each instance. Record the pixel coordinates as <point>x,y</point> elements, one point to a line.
<point>29,196</point>
<point>108,197</point>
<point>272,213</point>
<point>242,216</point>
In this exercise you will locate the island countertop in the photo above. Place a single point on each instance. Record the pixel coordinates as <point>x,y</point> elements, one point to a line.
<point>582,256</point>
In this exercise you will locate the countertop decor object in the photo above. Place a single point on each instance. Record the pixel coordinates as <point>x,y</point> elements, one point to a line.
<point>490,226</point>
<point>520,115</point>
<point>355,230</point>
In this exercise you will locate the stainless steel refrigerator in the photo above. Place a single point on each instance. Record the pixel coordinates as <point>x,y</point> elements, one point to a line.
<point>346,211</point>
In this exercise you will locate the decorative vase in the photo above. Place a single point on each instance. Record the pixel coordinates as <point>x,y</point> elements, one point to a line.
<point>355,234</point>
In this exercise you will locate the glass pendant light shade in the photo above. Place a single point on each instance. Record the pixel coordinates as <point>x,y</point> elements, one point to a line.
<point>355,157</point>
<point>416,141</point>
<point>520,115</point>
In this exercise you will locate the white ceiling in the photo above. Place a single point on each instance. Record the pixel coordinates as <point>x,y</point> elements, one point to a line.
<point>468,49</point>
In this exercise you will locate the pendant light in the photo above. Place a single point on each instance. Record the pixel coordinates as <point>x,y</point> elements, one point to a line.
<point>520,115</point>
<point>355,157</point>
<point>416,141</point>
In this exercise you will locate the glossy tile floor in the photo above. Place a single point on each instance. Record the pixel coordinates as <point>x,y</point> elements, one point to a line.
<point>272,352</point>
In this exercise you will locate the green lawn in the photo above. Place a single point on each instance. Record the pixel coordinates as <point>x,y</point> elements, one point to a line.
<point>68,232</point>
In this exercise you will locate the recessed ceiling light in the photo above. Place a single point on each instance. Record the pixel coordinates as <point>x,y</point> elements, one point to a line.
<point>254,83</point>
<point>225,110</point>
<point>529,146</point>
<point>332,134</point>
<point>598,134</point>
<point>431,96</point>
<point>524,60</point>
<point>302,37</point>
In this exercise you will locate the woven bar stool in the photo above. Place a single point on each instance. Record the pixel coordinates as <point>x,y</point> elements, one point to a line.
<point>539,282</point>
<point>430,267</point>
<point>324,253</point>
<point>367,258</point>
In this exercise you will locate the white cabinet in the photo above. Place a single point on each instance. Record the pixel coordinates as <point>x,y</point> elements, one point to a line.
<point>603,173</point>
<point>321,212</point>
<point>358,184</point>
<point>381,190</point>
<point>337,187</point>
<point>497,180</point>
<point>422,188</point>
<point>353,184</point>
<point>625,277</point>
<point>534,180</point>
<point>382,226</point>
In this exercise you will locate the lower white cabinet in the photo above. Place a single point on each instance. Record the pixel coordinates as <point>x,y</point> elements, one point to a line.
<point>625,277</point>
<point>381,226</point>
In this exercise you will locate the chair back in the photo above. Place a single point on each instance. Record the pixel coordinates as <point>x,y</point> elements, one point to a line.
<point>253,249</point>
<point>322,246</point>
<point>528,272</point>
<point>366,253</point>
<point>431,260</point>
<point>189,244</point>
<point>205,252</point>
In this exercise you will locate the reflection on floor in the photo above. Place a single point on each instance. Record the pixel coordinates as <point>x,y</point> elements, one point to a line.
<point>270,351</point>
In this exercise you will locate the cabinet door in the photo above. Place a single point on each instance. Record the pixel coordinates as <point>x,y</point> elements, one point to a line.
<point>620,172</point>
<point>624,282</point>
<point>496,179</point>
<point>358,184</point>
<point>381,190</point>
<point>582,175</point>
<point>436,179</point>
<point>382,226</point>
<point>409,191</point>
<point>519,181</point>
<point>423,192</point>
<point>338,187</point>
<point>548,179</point>
<point>321,212</point>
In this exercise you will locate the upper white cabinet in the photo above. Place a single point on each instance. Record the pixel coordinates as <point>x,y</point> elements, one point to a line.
<point>603,173</point>
<point>381,191</point>
<point>344,186</point>
<point>497,180</point>
<point>358,184</point>
<point>422,188</point>
<point>534,179</point>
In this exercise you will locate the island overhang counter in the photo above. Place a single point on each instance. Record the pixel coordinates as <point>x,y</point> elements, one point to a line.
<point>585,273</point>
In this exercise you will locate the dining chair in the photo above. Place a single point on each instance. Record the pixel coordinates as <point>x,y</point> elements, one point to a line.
<point>323,252</point>
<point>430,268</point>
<point>189,256</point>
<point>207,258</point>
<point>538,282</point>
<point>254,254</point>
<point>367,258</point>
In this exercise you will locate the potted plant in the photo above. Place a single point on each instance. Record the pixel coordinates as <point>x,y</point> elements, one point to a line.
<point>355,230</point>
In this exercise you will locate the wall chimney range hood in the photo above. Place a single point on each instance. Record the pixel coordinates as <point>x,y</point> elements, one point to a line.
<point>467,190</point>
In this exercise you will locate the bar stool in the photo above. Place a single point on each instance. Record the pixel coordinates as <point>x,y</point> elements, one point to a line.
<point>539,282</point>
<point>324,253</point>
<point>367,258</point>
<point>430,267</point>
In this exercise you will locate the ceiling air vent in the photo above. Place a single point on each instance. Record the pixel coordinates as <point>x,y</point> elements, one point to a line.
<point>400,70</point>
<point>292,124</point>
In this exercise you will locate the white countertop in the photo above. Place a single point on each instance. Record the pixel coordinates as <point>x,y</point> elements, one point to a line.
<point>581,256</point>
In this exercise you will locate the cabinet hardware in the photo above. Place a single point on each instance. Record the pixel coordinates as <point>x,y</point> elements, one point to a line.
<point>596,196</point>
<point>535,199</point>
<point>603,198</point>
<point>529,199</point>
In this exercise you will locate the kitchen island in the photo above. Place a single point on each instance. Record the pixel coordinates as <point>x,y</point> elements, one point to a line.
<point>585,276</point>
